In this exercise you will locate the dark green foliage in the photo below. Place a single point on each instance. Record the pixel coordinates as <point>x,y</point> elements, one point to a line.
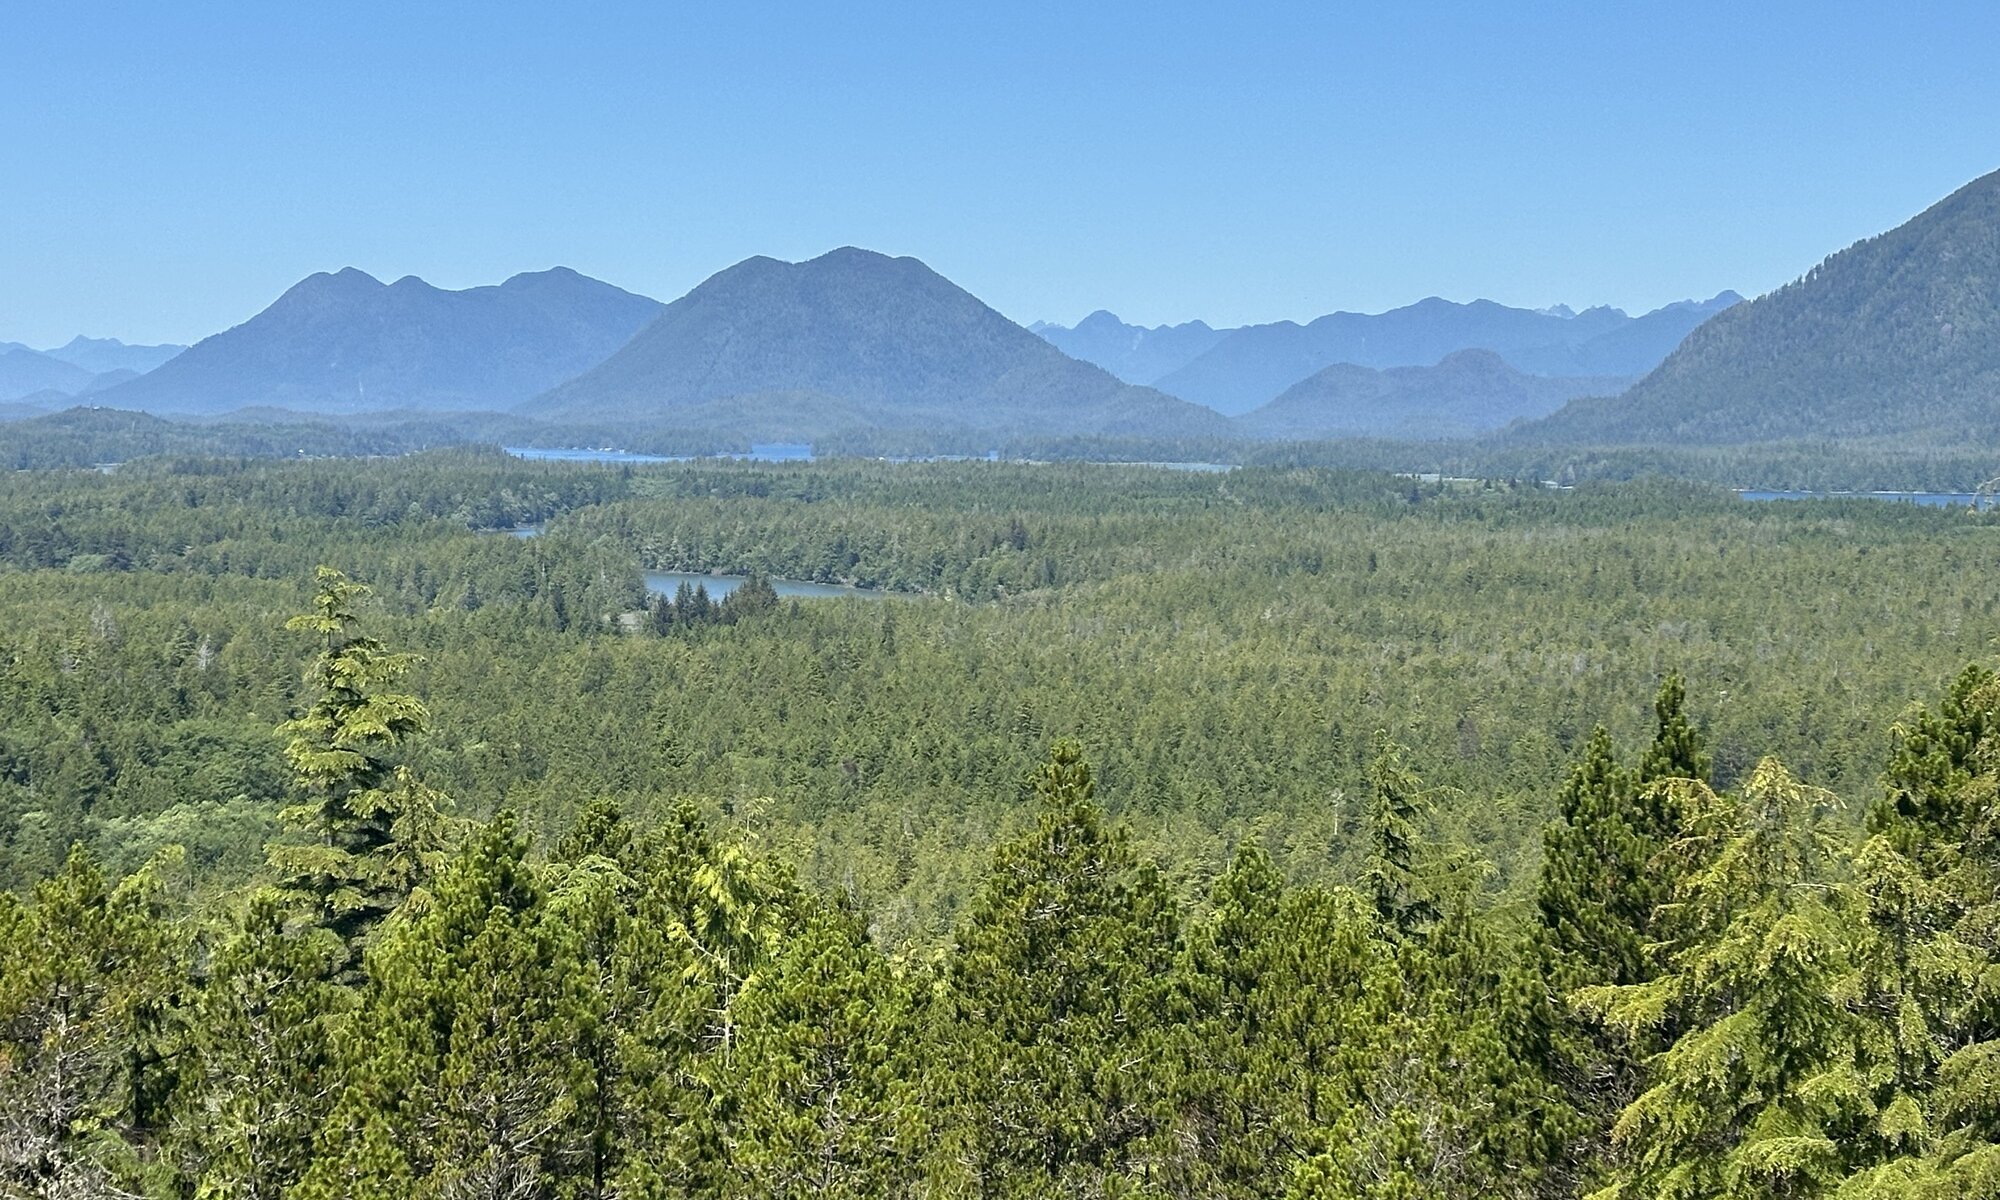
<point>750,934</point>
<point>1053,1016</point>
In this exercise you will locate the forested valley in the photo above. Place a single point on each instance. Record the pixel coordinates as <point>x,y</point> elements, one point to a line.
<point>1283,831</point>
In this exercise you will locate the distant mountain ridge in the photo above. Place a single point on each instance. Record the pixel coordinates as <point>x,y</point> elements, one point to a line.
<point>83,366</point>
<point>1254,364</point>
<point>24,372</point>
<point>856,340</point>
<point>1470,392</point>
<point>346,342</point>
<point>1896,338</point>
<point>1133,353</point>
<point>102,355</point>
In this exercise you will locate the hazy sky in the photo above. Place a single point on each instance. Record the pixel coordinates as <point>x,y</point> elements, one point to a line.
<point>170,168</point>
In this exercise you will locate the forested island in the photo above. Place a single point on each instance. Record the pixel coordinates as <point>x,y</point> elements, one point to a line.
<point>1286,831</point>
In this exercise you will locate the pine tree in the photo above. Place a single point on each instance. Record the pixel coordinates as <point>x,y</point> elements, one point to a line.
<point>87,972</point>
<point>262,1057</point>
<point>467,1073</point>
<point>822,1073</point>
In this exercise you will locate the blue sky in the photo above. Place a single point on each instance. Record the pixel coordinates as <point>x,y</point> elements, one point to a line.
<point>171,168</point>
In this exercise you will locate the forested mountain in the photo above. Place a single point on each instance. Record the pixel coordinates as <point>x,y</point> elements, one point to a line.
<point>1469,392</point>
<point>856,340</point>
<point>346,342</point>
<point>1895,338</point>
<point>1252,365</point>
<point>1133,353</point>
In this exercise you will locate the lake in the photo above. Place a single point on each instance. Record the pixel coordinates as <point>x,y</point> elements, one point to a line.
<point>666,583</point>
<point>1927,499</point>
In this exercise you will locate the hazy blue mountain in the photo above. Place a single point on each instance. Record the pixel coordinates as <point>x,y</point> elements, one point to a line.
<point>1257,362</point>
<point>24,372</point>
<point>1133,353</point>
<point>347,342</point>
<point>35,404</point>
<point>855,340</point>
<point>108,379</point>
<point>1629,350</point>
<point>102,355</point>
<point>1469,392</point>
<point>1896,339</point>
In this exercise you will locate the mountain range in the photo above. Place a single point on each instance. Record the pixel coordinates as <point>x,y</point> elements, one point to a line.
<point>856,340</point>
<point>1896,338</point>
<point>1133,353</point>
<point>1470,392</point>
<point>1894,341</point>
<point>45,378</point>
<point>346,342</point>
<point>1236,370</point>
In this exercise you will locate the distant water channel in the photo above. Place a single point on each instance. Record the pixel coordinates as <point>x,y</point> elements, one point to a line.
<point>1927,499</point>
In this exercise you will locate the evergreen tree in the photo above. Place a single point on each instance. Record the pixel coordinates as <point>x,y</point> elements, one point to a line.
<point>87,973</point>
<point>1405,902</point>
<point>1052,1026</point>
<point>1677,751</point>
<point>1929,981</point>
<point>1756,1097</point>
<point>262,1032</point>
<point>823,1073</point>
<point>467,1040</point>
<point>368,833</point>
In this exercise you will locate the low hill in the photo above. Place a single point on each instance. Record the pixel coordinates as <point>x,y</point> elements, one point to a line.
<point>1470,392</point>
<point>855,340</point>
<point>346,342</point>
<point>1254,364</point>
<point>1895,340</point>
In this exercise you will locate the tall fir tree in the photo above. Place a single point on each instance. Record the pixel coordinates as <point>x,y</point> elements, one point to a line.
<point>368,832</point>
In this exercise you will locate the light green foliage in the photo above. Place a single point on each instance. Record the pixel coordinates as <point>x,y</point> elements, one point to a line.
<point>751,935</point>
<point>1757,1094</point>
<point>465,1044</point>
<point>86,978</point>
<point>368,833</point>
<point>259,1080</point>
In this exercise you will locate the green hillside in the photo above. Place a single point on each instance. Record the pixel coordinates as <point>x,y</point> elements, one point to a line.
<point>1895,339</point>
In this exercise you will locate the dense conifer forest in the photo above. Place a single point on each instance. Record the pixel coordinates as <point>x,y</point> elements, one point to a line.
<point>1278,832</point>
